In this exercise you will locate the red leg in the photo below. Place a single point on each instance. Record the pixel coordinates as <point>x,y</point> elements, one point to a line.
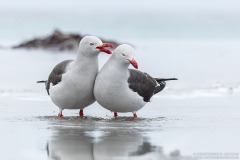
<point>60,115</point>
<point>81,113</point>
<point>134,115</point>
<point>115,114</point>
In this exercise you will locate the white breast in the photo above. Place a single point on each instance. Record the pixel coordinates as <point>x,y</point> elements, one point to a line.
<point>112,92</point>
<point>75,91</point>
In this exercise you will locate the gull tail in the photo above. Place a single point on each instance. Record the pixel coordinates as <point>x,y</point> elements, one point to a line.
<point>164,79</point>
<point>41,81</point>
<point>162,83</point>
<point>46,84</point>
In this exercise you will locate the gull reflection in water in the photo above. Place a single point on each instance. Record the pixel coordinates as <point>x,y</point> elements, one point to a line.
<point>113,144</point>
<point>117,144</point>
<point>70,144</point>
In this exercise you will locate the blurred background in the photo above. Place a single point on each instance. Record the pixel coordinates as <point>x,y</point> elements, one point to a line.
<point>121,20</point>
<point>197,42</point>
<point>180,37</point>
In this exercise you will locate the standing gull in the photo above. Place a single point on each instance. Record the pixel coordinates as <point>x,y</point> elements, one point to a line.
<point>70,84</point>
<point>120,89</point>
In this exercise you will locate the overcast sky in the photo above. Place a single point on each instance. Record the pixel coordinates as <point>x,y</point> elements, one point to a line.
<point>79,5</point>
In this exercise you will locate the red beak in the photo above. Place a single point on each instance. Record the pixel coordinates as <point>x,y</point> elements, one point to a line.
<point>133,62</point>
<point>103,49</point>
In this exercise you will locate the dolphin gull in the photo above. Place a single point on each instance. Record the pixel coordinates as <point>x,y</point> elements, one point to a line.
<point>70,84</point>
<point>120,89</point>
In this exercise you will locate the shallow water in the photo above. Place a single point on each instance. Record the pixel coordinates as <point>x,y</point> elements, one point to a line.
<point>178,130</point>
<point>191,116</point>
<point>197,117</point>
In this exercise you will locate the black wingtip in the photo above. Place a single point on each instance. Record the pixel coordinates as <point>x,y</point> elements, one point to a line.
<point>165,79</point>
<point>47,148</point>
<point>41,81</point>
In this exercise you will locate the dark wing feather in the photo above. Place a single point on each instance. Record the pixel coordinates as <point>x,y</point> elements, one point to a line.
<point>56,74</point>
<point>142,83</point>
<point>160,87</point>
<point>162,83</point>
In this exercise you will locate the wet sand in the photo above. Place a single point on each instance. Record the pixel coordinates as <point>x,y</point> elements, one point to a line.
<point>179,123</point>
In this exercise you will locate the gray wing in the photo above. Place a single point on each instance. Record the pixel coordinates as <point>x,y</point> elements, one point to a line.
<point>56,75</point>
<point>145,85</point>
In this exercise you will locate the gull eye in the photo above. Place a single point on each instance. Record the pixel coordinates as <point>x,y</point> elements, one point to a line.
<point>123,54</point>
<point>91,44</point>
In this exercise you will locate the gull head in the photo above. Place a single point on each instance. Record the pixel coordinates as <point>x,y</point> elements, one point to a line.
<point>90,45</point>
<point>125,54</point>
